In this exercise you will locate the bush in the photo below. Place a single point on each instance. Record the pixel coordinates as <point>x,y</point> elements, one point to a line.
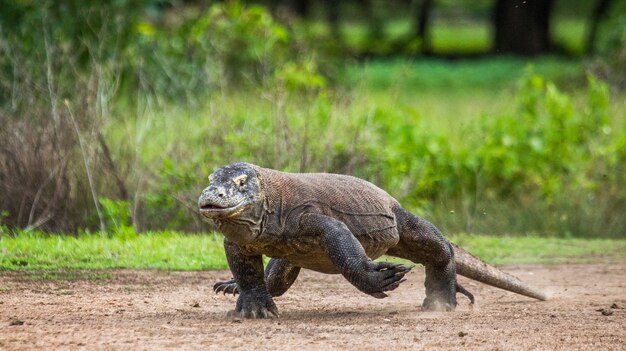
<point>70,69</point>
<point>118,122</point>
<point>59,64</point>
<point>548,167</point>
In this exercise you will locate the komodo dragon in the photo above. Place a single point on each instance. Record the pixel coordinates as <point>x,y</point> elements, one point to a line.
<point>330,223</point>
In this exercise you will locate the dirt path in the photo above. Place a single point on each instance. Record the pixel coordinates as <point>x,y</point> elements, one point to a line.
<point>149,310</point>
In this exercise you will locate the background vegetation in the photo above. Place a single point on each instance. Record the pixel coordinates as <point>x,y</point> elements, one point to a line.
<point>113,114</point>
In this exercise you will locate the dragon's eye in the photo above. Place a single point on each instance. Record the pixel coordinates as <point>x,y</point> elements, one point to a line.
<point>241,180</point>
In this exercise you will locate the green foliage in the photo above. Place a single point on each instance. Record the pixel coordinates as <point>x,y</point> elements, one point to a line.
<point>542,155</point>
<point>56,46</point>
<point>70,69</point>
<point>229,45</point>
<point>549,163</point>
<point>116,214</point>
<point>541,145</point>
<point>164,205</point>
<point>176,97</point>
<point>246,40</point>
<point>3,228</point>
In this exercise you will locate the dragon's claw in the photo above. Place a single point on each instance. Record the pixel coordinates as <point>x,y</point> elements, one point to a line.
<point>226,287</point>
<point>255,303</point>
<point>384,276</point>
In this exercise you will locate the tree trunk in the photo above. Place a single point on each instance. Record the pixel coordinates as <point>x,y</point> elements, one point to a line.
<point>421,22</point>
<point>332,7</point>
<point>375,25</point>
<point>301,8</point>
<point>522,27</point>
<point>599,13</point>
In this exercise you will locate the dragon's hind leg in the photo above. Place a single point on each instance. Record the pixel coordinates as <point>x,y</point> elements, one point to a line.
<point>421,242</point>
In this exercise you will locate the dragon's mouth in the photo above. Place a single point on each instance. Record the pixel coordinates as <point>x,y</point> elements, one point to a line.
<point>210,207</point>
<point>212,210</point>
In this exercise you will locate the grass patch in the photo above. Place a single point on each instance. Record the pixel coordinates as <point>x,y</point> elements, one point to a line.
<point>537,249</point>
<point>459,77</point>
<point>162,250</point>
<point>449,96</point>
<point>466,37</point>
<point>54,257</point>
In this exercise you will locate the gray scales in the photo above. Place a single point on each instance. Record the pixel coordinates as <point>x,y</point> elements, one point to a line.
<point>330,223</point>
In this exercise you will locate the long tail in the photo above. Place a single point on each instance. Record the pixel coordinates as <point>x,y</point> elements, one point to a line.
<point>472,267</point>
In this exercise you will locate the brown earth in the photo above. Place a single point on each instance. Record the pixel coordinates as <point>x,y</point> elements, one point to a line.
<point>150,310</point>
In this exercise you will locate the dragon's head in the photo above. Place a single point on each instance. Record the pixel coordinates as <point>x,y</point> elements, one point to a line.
<point>232,190</point>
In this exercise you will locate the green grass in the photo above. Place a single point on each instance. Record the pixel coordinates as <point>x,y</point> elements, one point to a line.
<point>462,76</point>
<point>53,257</point>
<point>162,250</point>
<point>536,249</point>
<point>447,96</point>
<point>461,37</point>
<point>570,34</point>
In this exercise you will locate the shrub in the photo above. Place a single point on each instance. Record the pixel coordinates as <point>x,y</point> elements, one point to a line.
<point>70,69</point>
<point>548,166</point>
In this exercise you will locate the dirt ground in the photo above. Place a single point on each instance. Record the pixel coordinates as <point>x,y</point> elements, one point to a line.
<point>151,310</point>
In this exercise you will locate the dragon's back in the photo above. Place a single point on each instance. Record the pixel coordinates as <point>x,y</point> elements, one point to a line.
<point>366,209</point>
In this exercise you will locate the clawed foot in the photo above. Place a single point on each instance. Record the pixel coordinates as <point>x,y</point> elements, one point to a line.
<point>464,291</point>
<point>445,299</point>
<point>442,299</point>
<point>256,303</point>
<point>437,305</point>
<point>384,276</point>
<point>227,287</point>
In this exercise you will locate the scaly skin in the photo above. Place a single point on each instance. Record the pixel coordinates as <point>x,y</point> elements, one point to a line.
<point>331,224</point>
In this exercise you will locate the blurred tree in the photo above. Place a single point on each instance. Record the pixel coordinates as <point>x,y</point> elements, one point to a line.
<point>522,27</point>
<point>332,7</point>
<point>421,22</point>
<point>374,21</point>
<point>599,13</point>
<point>301,8</point>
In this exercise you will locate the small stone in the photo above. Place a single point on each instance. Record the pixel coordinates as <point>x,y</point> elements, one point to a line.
<point>197,304</point>
<point>462,334</point>
<point>16,322</point>
<point>614,306</point>
<point>607,312</point>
